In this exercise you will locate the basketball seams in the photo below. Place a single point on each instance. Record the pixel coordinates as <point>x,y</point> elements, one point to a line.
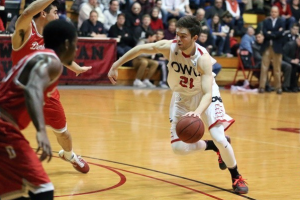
<point>194,132</point>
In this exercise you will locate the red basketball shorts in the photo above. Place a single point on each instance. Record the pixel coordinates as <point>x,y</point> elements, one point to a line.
<point>54,113</point>
<point>20,168</point>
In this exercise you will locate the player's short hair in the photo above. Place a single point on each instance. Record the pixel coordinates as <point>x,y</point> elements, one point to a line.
<point>48,8</point>
<point>191,23</point>
<point>57,32</point>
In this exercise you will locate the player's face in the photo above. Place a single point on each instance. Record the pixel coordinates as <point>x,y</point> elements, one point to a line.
<point>52,15</point>
<point>184,39</point>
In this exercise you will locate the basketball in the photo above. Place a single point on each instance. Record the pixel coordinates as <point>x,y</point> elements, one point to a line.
<point>190,129</point>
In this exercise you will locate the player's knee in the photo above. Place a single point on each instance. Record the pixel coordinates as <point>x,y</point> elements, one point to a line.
<point>179,148</point>
<point>64,135</point>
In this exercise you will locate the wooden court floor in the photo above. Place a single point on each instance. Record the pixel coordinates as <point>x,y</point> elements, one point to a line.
<point>124,135</point>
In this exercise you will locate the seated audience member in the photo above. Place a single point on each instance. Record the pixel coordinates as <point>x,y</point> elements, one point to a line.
<point>92,27</point>
<point>286,13</point>
<point>146,6</point>
<point>86,8</point>
<point>295,10</point>
<point>162,62</point>
<point>184,7</point>
<point>156,23</point>
<point>161,12</point>
<point>200,15</point>
<point>111,14</point>
<point>286,68</point>
<point>227,28</point>
<point>118,30</point>
<point>144,61</point>
<point>202,40</point>
<point>292,34</point>
<point>248,39</point>
<point>218,36</point>
<point>140,31</point>
<point>291,54</point>
<point>233,7</point>
<point>216,9</point>
<point>171,8</point>
<point>170,33</point>
<point>134,16</point>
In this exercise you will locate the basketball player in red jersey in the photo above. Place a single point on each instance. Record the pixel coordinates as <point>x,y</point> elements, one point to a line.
<point>195,92</point>
<point>22,95</point>
<point>26,39</point>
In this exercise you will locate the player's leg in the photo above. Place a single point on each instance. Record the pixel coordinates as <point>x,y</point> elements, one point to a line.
<point>218,122</point>
<point>20,167</point>
<point>225,148</point>
<point>55,117</point>
<point>178,107</point>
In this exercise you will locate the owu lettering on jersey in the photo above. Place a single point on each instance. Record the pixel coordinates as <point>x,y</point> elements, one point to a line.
<point>178,67</point>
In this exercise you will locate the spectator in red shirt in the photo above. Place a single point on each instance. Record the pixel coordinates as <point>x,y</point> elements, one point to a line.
<point>286,13</point>
<point>156,23</point>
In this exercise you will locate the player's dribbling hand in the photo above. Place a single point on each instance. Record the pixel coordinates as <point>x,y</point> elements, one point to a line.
<point>43,145</point>
<point>194,114</point>
<point>113,74</point>
<point>83,69</point>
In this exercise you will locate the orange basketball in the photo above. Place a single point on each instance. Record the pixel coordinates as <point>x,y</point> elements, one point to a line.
<point>190,129</point>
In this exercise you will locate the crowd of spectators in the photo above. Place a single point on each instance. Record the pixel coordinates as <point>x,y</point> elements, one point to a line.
<point>139,21</point>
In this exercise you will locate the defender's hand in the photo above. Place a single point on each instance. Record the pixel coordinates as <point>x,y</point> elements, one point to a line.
<point>43,145</point>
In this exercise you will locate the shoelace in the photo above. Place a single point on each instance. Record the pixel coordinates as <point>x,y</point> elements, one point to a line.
<point>220,158</point>
<point>239,181</point>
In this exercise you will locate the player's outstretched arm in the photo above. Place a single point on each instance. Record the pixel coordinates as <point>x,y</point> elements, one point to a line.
<point>43,72</point>
<point>23,24</point>
<point>162,47</point>
<point>205,68</point>
<point>77,69</point>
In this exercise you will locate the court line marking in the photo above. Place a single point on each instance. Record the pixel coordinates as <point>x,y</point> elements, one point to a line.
<point>173,175</point>
<point>121,182</point>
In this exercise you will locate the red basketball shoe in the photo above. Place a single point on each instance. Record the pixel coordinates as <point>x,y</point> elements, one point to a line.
<point>222,165</point>
<point>239,185</point>
<point>78,163</point>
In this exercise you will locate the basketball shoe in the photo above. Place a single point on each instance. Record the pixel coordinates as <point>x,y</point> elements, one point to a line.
<point>222,165</point>
<point>78,163</point>
<point>239,185</point>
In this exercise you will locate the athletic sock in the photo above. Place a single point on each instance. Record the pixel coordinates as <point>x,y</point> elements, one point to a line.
<point>68,154</point>
<point>234,172</point>
<point>210,145</point>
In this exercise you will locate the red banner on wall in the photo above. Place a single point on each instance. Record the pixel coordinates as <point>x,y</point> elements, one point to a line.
<point>100,54</point>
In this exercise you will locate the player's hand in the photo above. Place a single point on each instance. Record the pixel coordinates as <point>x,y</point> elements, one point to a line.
<point>43,145</point>
<point>113,74</point>
<point>193,114</point>
<point>83,69</point>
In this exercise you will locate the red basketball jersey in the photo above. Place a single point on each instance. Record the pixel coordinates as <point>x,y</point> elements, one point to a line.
<point>12,98</point>
<point>35,42</point>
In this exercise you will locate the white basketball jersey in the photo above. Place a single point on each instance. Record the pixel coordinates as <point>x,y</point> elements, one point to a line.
<point>183,74</point>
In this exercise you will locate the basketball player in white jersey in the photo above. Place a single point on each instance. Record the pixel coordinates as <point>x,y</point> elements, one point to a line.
<point>195,92</point>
